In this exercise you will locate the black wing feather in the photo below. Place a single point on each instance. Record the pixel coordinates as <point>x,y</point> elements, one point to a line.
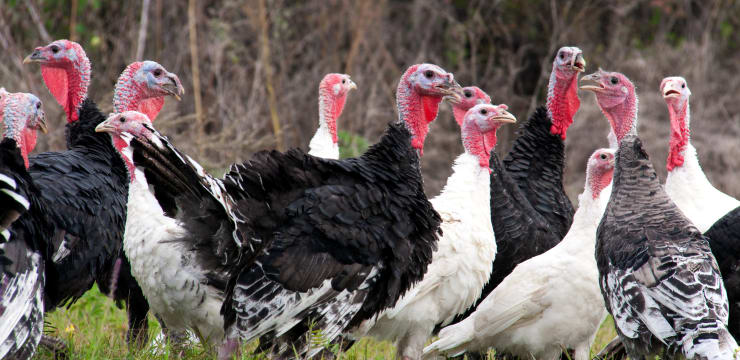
<point>342,219</point>
<point>724,239</point>
<point>21,261</point>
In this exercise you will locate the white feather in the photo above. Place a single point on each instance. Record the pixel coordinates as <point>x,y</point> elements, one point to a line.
<point>694,195</point>
<point>322,145</point>
<point>459,269</point>
<point>548,302</point>
<point>170,278</point>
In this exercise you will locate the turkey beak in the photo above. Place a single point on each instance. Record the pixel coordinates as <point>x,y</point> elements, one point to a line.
<point>578,63</point>
<point>174,87</point>
<point>505,117</point>
<point>454,100</point>
<point>671,90</point>
<point>104,126</point>
<point>352,85</point>
<point>452,90</point>
<point>34,57</point>
<point>595,85</point>
<point>42,126</point>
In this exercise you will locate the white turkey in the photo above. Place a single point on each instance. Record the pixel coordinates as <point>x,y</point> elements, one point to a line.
<point>461,264</point>
<point>333,91</point>
<point>532,313</point>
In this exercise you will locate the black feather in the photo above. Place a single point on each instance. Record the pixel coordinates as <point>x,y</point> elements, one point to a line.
<point>655,267</point>
<point>22,260</point>
<point>530,211</point>
<point>724,239</point>
<point>86,189</point>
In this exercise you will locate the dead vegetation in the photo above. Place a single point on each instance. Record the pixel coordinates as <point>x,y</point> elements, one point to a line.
<point>260,61</point>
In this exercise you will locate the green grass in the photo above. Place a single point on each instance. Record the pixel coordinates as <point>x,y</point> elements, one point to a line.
<point>94,328</point>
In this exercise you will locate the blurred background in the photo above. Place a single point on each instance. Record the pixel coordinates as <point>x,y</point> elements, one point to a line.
<point>251,68</point>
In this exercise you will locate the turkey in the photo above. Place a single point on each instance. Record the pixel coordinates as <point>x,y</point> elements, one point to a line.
<point>362,225</point>
<point>724,239</point>
<point>471,96</point>
<point>461,264</point>
<point>85,188</point>
<point>333,91</point>
<point>689,188</point>
<point>657,273</point>
<point>23,241</point>
<point>142,87</point>
<point>532,212</point>
<point>12,198</point>
<point>686,183</point>
<point>531,314</point>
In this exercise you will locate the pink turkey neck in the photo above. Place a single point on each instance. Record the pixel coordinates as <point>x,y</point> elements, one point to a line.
<point>130,95</point>
<point>330,108</point>
<point>120,144</point>
<point>562,102</point>
<point>479,144</point>
<point>623,116</point>
<point>599,179</point>
<point>679,135</point>
<point>459,113</point>
<point>416,111</point>
<point>69,84</point>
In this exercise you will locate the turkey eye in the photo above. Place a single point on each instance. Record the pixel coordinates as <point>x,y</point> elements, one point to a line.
<point>344,81</point>
<point>38,106</point>
<point>468,93</point>
<point>562,56</point>
<point>429,74</point>
<point>123,119</point>
<point>614,80</point>
<point>483,112</point>
<point>54,49</point>
<point>683,86</point>
<point>157,72</point>
<point>603,156</point>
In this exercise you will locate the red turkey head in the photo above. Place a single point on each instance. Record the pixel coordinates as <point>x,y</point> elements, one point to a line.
<point>616,97</point>
<point>568,62</point>
<point>333,91</point>
<point>127,122</point>
<point>479,129</point>
<point>419,93</point>
<point>471,96</point>
<point>676,94</point>
<point>22,115</point>
<point>66,72</point>
<point>599,170</point>
<point>143,86</point>
<point>123,127</point>
<point>562,90</point>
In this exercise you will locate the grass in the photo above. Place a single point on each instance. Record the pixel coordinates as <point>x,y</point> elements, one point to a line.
<point>94,328</point>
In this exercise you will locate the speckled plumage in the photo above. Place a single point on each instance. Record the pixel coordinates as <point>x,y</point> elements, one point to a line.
<point>658,276</point>
<point>22,250</point>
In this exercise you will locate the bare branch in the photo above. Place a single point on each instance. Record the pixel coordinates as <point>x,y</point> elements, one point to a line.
<point>141,43</point>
